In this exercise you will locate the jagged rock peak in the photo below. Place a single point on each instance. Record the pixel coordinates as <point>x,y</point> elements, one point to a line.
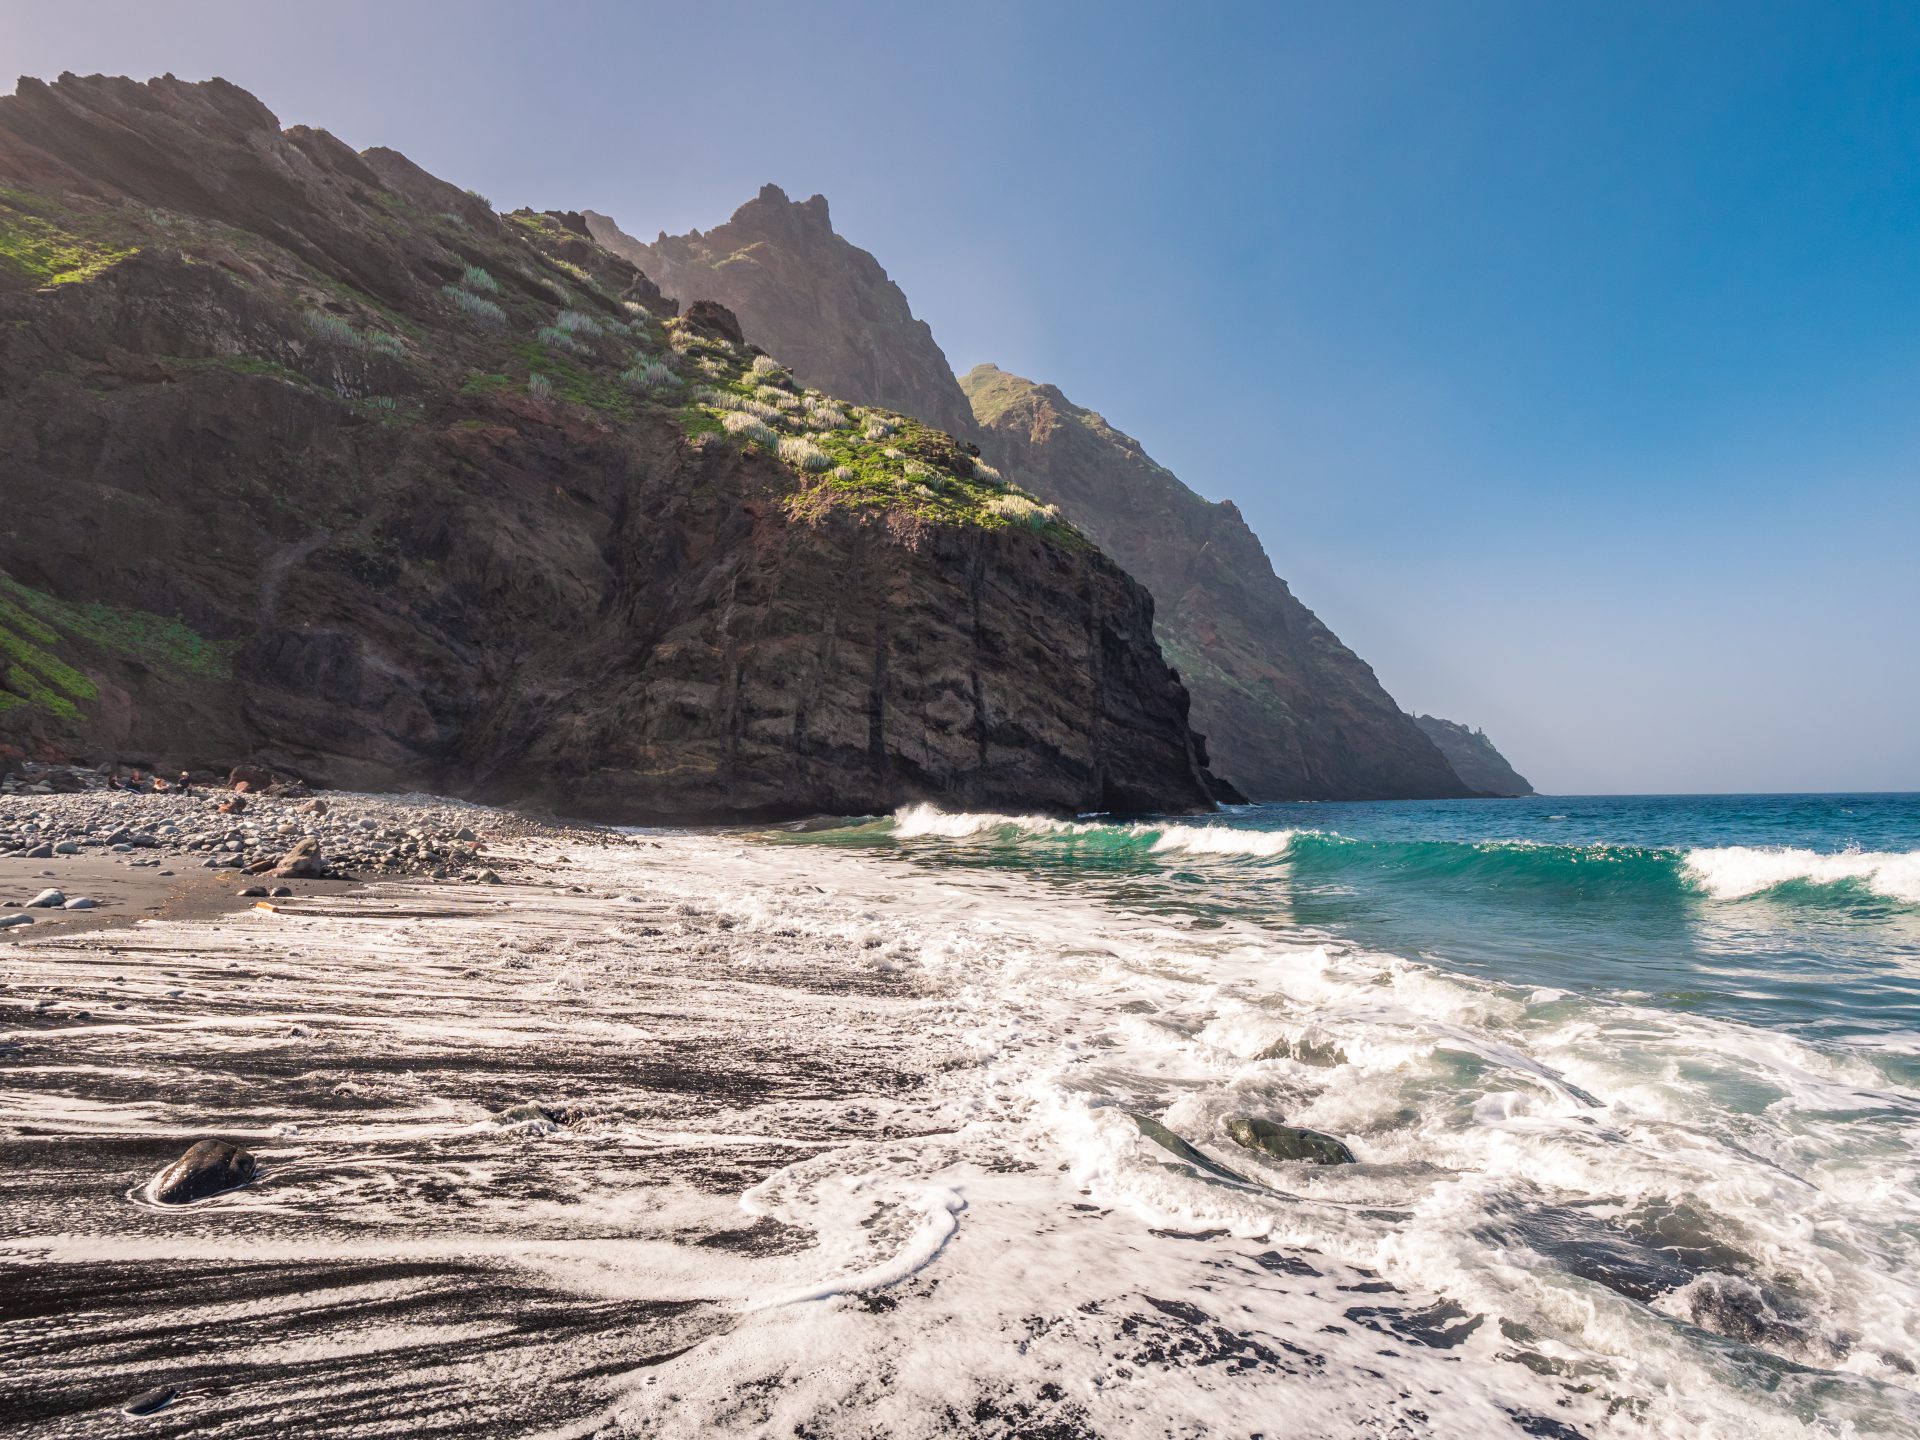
<point>821,304</point>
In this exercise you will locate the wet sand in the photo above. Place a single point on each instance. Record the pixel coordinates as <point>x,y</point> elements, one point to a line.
<point>125,894</point>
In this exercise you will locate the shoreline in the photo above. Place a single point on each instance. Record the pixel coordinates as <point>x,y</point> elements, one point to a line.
<point>684,1133</point>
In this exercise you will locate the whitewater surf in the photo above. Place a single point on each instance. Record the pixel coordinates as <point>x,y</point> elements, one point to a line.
<point>926,1125</point>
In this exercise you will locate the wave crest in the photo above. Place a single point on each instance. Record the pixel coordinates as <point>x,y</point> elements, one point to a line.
<point>921,822</point>
<point>1732,872</point>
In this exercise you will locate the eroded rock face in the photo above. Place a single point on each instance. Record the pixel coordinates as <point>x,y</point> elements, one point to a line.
<point>824,306</point>
<point>1289,712</point>
<point>207,1168</point>
<point>395,563</point>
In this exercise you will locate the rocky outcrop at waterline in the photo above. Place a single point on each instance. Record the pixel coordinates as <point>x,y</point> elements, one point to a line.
<point>316,459</point>
<point>1481,767</point>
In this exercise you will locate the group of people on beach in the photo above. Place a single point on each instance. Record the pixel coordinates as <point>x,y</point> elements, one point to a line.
<point>155,784</point>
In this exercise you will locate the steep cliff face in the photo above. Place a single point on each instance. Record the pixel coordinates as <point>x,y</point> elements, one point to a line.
<point>1289,712</point>
<point>1481,767</point>
<point>313,458</point>
<point>825,307</point>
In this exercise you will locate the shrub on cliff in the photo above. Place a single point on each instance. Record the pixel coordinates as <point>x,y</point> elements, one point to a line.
<point>475,307</point>
<point>333,328</point>
<point>646,376</point>
<point>748,428</point>
<point>803,454</point>
<point>1019,510</point>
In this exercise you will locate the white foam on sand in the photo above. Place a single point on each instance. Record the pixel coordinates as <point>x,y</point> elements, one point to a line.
<point>874,1132</point>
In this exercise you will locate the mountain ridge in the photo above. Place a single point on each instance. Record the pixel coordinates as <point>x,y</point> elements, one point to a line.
<point>314,459</point>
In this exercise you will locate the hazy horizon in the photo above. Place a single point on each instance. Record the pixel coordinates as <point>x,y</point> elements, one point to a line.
<point>1563,361</point>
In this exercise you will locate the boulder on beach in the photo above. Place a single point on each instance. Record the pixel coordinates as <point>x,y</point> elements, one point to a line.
<point>208,1167</point>
<point>47,900</point>
<point>303,862</point>
<point>1288,1142</point>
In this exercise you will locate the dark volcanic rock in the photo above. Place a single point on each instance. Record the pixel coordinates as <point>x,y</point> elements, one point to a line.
<point>209,1167</point>
<point>148,1401</point>
<point>285,393</point>
<point>1288,1142</point>
<point>1481,768</point>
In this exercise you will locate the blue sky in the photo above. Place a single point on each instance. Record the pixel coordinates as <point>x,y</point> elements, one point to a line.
<point>1566,358</point>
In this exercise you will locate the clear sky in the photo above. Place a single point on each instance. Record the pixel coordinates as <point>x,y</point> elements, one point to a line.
<point>1566,357</point>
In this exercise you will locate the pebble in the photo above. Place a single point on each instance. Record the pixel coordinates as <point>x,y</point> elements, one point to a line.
<point>359,836</point>
<point>148,1401</point>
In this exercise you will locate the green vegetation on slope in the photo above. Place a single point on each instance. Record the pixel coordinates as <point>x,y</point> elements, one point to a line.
<point>851,456</point>
<point>43,246</point>
<point>34,625</point>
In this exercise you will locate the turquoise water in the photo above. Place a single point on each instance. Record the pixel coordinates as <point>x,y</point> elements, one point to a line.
<point>1794,911</point>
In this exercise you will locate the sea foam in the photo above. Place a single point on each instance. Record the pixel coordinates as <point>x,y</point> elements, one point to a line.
<point>1731,872</point>
<point>923,822</point>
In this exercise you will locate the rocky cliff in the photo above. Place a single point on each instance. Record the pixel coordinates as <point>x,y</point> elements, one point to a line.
<point>1481,768</point>
<point>312,458</point>
<point>1290,712</point>
<point>823,306</point>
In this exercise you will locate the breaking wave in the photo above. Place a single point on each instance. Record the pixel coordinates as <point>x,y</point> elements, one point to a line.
<point>1718,873</point>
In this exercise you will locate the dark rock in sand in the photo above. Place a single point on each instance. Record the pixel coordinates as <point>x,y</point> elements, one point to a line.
<point>148,1401</point>
<point>1288,1142</point>
<point>280,892</point>
<point>208,1168</point>
<point>1167,1140</point>
<point>253,892</point>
